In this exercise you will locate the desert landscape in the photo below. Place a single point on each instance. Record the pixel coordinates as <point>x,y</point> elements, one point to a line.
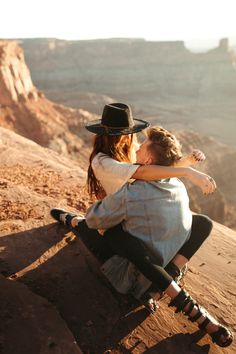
<point>53,297</point>
<point>163,81</point>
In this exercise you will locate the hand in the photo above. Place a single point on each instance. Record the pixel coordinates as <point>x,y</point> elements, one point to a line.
<point>202,180</point>
<point>191,159</point>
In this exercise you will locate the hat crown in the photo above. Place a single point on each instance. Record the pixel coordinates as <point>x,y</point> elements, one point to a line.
<point>117,115</point>
<point>117,119</point>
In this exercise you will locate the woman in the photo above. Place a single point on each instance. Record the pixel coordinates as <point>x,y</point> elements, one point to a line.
<point>106,175</point>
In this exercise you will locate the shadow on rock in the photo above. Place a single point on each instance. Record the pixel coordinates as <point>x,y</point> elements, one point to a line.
<point>184,344</point>
<point>20,249</point>
<point>58,267</point>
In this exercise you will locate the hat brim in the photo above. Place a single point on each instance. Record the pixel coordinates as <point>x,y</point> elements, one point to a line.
<point>96,127</point>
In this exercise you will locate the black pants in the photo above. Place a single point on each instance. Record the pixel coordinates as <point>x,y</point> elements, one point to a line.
<point>201,229</point>
<point>117,241</point>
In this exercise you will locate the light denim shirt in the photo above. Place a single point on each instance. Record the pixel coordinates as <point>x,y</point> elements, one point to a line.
<point>156,212</point>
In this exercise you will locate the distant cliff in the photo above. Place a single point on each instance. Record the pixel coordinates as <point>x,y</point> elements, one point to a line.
<point>25,110</point>
<point>162,80</point>
<point>15,81</point>
<point>131,68</point>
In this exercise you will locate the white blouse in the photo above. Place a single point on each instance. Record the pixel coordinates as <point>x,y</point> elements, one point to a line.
<point>112,174</point>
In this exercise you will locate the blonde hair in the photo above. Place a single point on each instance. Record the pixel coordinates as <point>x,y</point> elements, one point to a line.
<point>116,147</point>
<point>164,147</point>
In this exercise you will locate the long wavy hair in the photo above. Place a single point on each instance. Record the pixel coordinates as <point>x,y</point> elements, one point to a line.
<point>116,147</point>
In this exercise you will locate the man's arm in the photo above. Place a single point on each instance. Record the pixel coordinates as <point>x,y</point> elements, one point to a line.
<point>108,212</point>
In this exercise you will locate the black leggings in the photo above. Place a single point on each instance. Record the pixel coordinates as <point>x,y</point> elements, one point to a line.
<point>117,241</point>
<point>201,229</point>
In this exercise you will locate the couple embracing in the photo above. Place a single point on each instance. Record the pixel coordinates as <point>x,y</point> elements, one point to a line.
<point>151,233</point>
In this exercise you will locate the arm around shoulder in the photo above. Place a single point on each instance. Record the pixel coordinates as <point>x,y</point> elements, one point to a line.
<point>156,172</point>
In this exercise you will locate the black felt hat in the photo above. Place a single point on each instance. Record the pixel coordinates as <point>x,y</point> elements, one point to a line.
<point>117,119</point>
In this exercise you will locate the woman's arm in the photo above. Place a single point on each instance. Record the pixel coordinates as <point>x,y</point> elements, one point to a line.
<point>113,174</point>
<point>150,172</point>
<point>155,172</point>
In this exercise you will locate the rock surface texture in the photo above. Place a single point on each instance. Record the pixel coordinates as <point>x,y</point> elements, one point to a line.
<point>55,265</point>
<point>15,80</point>
<point>28,112</point>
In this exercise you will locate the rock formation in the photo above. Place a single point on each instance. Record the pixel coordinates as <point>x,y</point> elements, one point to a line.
<point>162,80</point>
<point>15,81</point>
<point>28,112</point>
<point>30,324</point>
<point>63,276</point>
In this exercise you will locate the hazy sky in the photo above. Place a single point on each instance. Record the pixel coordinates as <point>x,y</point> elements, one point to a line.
<point>149,19</point>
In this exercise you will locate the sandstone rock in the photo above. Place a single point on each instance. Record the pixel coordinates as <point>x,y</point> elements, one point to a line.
<point>25,110</point>
<point>15,80</point>
<point>162,80</point>
<point>35,250</point>
<point>30,324</point>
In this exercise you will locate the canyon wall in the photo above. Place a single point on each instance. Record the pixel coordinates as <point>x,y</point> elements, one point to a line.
<point>161,80</point>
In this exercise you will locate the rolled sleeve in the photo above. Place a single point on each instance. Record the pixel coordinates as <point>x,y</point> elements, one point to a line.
<point>108,212</point>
